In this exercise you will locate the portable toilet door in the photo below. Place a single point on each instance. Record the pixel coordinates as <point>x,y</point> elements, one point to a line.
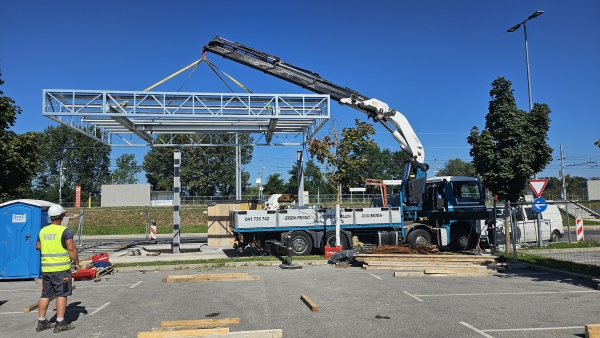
<point>20,224</point>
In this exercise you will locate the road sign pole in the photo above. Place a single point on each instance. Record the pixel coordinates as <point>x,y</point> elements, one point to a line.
<point>539,220</point>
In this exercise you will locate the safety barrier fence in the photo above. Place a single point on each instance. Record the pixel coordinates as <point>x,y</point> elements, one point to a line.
<point>570,233</point>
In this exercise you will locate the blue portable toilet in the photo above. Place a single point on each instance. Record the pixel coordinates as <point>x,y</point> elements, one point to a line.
<point>20,224</point>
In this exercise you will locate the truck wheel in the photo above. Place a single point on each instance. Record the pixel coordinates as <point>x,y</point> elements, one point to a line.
<point>418,236</point>
<point>555,237</point>
<point>463,241</point>
<point>330,240</point>
<point>301,243</point>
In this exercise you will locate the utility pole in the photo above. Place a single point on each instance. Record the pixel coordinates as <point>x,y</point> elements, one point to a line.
<point>61,183</point>
<point>564,191</point>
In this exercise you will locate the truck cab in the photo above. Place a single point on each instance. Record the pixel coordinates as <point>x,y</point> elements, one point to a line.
<point>454,206</point>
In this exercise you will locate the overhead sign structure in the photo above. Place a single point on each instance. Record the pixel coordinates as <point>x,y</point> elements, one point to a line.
<point>539,204</point>
<point>537,186</point>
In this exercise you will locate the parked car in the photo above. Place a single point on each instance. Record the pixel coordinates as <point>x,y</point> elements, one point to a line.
<point>526,224</point>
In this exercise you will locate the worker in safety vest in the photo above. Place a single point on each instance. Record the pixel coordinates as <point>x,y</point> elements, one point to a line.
<point>55,242</point>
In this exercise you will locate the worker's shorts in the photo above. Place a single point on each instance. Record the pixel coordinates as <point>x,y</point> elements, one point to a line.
<point>52,284</point>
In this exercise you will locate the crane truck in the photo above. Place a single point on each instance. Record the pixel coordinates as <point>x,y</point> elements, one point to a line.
<point>446,211</point>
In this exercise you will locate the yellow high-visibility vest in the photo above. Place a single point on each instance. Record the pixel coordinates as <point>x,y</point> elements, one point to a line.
<point>54,256</point>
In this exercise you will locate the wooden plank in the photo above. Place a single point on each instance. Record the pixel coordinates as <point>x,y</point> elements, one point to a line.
<point>200,322</point>
<point>422,274</point>
<point>411,259</point>
<point>209,279</point>
<point>276,333</point>
<point>312,305</point>
<point>482,257</point>
<point>592,328</point>
<point>449,271</point>
<point>214,275</point>
<point>451,264</point>
<point>420,268</point>
<point>35,306</point>
<point>185,333</point>
<point>187,327</point>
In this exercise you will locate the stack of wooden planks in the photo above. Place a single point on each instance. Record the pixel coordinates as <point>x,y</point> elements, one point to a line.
<point>215,277</point>
<point>429,265</point>
<point>592,331</point>
<point>206,328</point>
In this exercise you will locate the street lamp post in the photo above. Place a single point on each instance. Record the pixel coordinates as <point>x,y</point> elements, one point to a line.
<point>514,28</point>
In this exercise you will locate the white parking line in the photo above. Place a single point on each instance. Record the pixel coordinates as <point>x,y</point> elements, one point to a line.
<point>375,276</point>
<point>100,308</point>
<point>509,293</point>
<point>134,285</point>
<point>538,329</point>
<point>415,297</point>
<point>476,330</point>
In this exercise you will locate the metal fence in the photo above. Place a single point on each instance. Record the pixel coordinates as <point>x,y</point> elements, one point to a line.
<point>570,233</point>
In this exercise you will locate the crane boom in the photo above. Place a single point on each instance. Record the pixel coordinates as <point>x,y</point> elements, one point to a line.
<point>379,111</point>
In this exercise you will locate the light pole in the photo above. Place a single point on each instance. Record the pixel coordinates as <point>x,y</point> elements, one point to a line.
<point>514,28</point>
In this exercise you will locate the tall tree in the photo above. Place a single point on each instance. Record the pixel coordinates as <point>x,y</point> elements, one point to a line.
<point>82,160</point>
<point>457,167</point>
<point>342,154</point>
<point>205,170</point>
<point>314,181</point>
<point>126,171</point>
<point>274,185</point>
<point>512,147</point>
<point>18,153</point>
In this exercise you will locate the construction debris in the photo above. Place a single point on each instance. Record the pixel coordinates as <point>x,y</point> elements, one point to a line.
<point>222,277</point>
<point>212,328</point>
<point>430,264</point>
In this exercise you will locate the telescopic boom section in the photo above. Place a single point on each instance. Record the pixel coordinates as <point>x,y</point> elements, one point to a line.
<point>379,111</point>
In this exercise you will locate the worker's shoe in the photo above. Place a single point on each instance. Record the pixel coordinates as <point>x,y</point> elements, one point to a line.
<point>43,325</point>
<point>63,326</point>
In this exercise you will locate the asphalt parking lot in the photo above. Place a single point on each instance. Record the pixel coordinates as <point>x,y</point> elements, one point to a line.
<point>353,302</point>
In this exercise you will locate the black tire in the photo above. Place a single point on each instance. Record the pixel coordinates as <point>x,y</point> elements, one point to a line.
<point>330,240</point>
<point>301,243</point>
<point>464,240</point>
<point>555,236</point>
<point>418,236</point>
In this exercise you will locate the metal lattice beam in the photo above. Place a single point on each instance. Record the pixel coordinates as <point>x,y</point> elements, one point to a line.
<point>136,118</point>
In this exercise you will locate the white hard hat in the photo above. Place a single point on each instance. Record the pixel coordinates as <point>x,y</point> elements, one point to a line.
<point>55,210</point>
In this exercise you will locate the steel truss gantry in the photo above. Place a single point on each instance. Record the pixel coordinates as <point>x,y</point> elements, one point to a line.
<point>137,118</point>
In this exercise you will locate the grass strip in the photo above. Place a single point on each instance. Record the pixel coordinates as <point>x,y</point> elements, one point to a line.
<point>585,269</point>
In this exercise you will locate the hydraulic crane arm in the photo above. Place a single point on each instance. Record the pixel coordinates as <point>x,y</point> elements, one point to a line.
<point>379,111</point>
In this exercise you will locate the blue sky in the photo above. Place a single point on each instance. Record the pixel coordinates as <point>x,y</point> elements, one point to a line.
<point>432,60</point>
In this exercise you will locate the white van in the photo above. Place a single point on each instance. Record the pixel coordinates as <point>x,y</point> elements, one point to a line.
<point>527,227</point>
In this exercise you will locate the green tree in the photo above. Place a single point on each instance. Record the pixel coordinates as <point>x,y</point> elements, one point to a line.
<point>383,164</point>
<point>126,171</point>
<point>457,167</point>
<point>274,185</point>
<point>205,170</point>
<point>18,153</point>
<point>512,147</point>
<point>314,181</point>
<point>343,154</point>
<point>84,161</point>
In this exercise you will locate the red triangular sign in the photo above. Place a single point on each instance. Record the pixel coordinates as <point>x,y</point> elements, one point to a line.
<point>537,186</point>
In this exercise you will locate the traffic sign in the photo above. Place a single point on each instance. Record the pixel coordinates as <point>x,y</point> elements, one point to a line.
<point>539,204</point>
<point>537,186</point>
